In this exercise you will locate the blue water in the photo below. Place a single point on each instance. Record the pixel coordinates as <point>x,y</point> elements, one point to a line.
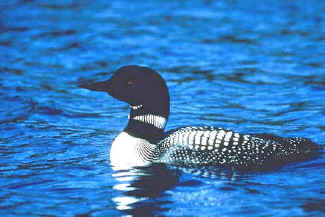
<point>251,66</point>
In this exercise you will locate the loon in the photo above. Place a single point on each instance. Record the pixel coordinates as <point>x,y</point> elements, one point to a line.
<point>144,140</point>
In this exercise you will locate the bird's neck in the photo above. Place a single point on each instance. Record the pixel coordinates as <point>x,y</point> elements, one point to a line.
<point>145,124</point>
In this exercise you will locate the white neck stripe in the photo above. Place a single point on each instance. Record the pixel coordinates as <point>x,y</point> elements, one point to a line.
<point>135,107</point>
<point>155,120</point>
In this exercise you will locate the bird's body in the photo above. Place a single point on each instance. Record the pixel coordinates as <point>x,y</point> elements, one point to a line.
<point>144,141</point>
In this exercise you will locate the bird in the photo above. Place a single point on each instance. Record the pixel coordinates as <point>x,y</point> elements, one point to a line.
<point>144,141</point>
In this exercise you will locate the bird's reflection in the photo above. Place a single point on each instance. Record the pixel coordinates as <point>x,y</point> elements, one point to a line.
<point>142,190</point>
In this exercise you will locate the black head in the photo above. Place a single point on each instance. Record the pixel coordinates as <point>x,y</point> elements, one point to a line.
<point>140,87</point>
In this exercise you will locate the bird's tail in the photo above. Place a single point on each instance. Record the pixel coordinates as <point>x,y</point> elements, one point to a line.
<point>303,146</point>
<point>294,148</point>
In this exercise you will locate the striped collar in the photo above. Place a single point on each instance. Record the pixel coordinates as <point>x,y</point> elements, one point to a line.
<point>155,120</point>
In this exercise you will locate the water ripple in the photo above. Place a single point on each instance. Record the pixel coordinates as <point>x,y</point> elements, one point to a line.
<point>227,64</point>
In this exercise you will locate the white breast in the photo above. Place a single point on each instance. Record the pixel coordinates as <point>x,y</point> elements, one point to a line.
<point>124,152</point>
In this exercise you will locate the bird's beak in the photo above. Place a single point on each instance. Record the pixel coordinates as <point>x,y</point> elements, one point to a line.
<point>97,86</point>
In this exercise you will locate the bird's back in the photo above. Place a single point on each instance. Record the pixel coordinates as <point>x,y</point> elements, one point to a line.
<point>209,146</point>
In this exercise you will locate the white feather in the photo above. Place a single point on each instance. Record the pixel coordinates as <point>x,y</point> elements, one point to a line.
<point>124,154</point>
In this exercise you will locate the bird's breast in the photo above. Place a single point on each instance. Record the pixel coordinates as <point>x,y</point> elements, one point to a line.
<point>127,152</point>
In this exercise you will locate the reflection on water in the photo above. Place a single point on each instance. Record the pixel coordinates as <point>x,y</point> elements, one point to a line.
<point>142,189</point>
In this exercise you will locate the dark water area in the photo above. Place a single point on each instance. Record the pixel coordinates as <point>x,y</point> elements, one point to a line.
<point>251,66</point>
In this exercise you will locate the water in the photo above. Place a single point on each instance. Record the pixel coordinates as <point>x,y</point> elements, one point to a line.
<point>249,66</point>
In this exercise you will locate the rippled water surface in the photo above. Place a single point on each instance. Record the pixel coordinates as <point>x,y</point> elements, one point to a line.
<point>251,66</point>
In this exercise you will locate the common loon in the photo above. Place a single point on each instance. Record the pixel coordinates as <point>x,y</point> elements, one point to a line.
<point>144,141</point>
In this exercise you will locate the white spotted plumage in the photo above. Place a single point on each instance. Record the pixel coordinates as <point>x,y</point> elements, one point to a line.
<point>218,147</point>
